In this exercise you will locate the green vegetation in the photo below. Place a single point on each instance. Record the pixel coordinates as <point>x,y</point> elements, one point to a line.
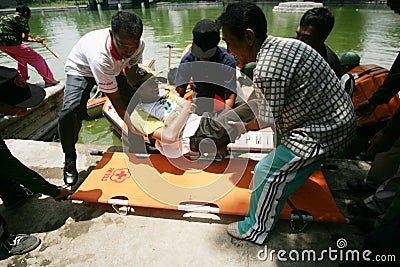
<point>44,3</point>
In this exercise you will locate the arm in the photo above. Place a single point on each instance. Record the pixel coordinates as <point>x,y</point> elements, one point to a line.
<point>385,138</point>
<point>120,108</point>
<point>390,86</point>
<point>25,37</point>
<point>385,92</point>
<point>364,110</point>
<point>230,100</point>
<point>254,124</point>
<point>24,26</point>
<point>174,123</point>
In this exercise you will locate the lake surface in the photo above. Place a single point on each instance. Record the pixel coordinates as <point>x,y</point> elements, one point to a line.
<point>373,33</point>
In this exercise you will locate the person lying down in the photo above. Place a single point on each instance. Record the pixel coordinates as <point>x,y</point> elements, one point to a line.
<point>170,120</point>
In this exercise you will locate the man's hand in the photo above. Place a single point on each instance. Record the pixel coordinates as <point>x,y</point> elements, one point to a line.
<point>32,38</point>
<point>240,126</point>
<point>364,110</point>
<point>381,142</point>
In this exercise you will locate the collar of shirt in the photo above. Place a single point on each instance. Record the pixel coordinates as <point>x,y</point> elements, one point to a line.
<point>113,51</point>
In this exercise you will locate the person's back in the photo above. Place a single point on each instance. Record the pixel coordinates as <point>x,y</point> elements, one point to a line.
<point>315,26</point>
<point>11,28</point>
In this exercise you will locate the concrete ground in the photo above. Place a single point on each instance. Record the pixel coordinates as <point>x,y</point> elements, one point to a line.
<point>87,234</point>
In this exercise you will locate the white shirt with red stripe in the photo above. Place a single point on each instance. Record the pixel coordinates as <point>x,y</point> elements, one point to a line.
<point>92,57</point>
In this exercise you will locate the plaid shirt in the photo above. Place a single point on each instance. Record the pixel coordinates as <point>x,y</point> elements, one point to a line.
<point>298,91</point>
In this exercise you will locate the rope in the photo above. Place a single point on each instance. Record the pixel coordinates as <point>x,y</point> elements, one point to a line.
<point>41,40</point>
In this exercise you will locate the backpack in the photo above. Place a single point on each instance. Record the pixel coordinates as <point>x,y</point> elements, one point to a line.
<point>366,81</point>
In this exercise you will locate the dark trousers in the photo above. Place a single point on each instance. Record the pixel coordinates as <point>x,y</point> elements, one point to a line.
<point>215,126</point>
<point>76,94</point>
<point>3,229</point>
<point>13,173</point>
<point>384,240</point>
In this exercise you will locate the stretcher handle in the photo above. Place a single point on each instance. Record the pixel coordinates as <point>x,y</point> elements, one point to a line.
<point>198,208</point>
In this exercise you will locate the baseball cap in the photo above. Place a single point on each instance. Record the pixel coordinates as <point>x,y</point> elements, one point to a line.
<point>349,58</point>
<point>15,91</point>
<point>205,38</point>
<point>138,74</point>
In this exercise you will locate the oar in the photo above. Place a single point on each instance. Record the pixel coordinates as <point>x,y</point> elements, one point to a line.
<point>39,40</point>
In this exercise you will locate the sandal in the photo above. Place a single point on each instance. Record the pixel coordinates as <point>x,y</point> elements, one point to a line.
<point>63,195</point>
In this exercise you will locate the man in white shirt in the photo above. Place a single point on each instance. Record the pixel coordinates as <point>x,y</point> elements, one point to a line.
<point>99,58</point>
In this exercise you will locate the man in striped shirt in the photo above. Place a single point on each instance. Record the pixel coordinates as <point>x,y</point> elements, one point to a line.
<point>298,93</point>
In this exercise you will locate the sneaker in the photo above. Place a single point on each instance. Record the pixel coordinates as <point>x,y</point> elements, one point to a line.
<point>20,243</point>
<point>70,172</point>
<point>51,84</point>
<point>233,230</point>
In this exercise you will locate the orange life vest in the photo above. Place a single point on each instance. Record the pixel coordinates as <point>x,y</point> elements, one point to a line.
<point>368,78</point>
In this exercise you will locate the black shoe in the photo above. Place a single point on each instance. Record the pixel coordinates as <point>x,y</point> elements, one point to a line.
<point>17,244</point>
<point>360,209</point>
<point>360,186</point>
<point>70,173</point>
<point>53,83</point>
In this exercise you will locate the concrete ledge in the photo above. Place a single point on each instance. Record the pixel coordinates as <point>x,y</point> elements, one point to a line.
<point>39,121</point>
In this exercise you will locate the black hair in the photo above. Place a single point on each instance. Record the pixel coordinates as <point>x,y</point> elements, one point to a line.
<point>244,15</point>
<point>23,9</point>
<point>127,22</point>
<point>321,19</point>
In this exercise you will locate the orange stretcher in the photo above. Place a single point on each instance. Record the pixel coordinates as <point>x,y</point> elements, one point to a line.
<point>154,181</point>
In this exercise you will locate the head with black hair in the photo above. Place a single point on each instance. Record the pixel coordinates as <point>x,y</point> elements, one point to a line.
<point>244,29</point>
<point>126,31</point>
<point>244,15</point>
<point>315,26</point>
<point>24,11</point>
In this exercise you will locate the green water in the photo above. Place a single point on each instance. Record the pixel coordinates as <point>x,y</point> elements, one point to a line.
<point>373,33</point>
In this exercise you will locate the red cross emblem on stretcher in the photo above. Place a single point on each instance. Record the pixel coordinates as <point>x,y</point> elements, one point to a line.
<point>120,175</point>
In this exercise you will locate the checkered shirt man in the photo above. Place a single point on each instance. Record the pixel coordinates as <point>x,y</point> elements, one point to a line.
<point>298,90</point>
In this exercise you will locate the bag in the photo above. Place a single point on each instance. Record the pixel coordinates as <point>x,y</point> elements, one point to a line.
<point>367,80</point>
